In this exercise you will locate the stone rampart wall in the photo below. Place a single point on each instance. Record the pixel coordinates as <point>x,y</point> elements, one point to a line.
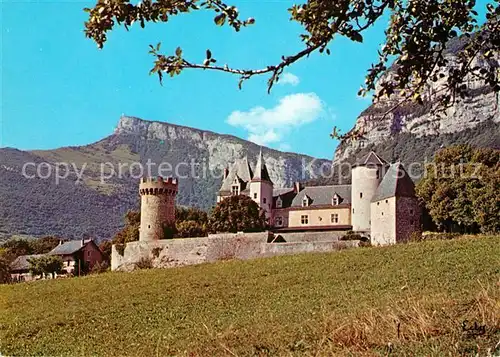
<point>190,251</point>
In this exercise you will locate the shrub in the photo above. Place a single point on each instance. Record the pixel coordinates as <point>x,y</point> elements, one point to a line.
<point>415,237</point>
<point>354,236</point>
<point>237,214</point>
<point>190,229</point>
<point>120,248</point>
<point>144,263</point>
<point>100,267</point>
<point>156,252</point>
<point>365,243</point>
<point>435,236</point>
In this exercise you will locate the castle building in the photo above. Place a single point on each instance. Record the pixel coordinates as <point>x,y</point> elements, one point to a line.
<point>380,202</point>
<point>157,207</point>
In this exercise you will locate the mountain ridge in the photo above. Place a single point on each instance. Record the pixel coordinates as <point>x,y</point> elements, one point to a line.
<point>87,205</point>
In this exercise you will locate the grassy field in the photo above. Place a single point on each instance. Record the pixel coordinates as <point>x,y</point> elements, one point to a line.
<point>401,300</point>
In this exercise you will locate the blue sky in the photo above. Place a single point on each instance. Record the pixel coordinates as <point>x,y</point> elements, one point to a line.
<point>58,89</point>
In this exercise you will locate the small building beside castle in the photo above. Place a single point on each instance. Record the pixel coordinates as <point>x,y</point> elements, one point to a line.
<point>380,202</point>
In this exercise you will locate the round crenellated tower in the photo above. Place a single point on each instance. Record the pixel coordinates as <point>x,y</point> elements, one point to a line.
<point>157,207</point>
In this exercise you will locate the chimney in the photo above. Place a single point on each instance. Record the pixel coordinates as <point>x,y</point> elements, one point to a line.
<point>226,173</point>
<point>297,187</point>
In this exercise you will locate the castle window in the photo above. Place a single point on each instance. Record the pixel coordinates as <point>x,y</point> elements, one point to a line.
<point>361,195</point>
<point>279,203</point>
<point>235,190</point>
<point>305,202</point>
<point>304,219</point>
<point>378,174</point>
<point>382,213</point>
<point>278,221</point>
<point>353,211</point>
<point>255,196</point>
<point>264,200</point>
<point>149,226</point>
<point>386,201</point>
<point>335,218</point>
<point>335,200</point>
<point>88,253</point>
<point>378,203</point>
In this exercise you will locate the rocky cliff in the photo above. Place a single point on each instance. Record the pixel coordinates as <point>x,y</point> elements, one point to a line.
<point>412,132</point>
<point>86,190</point>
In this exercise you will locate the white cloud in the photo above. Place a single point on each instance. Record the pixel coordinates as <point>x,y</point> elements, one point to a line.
<point>270,126</point>
<point>289,78</point>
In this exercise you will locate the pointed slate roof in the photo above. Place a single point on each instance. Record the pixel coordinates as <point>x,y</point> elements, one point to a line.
<point>261,173</point>
<point>285,194</point>
<point>241,170</point>
<point>396,183</point>
<point>371,159</point>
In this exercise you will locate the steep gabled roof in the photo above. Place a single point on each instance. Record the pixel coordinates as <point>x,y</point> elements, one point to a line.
<point>286,195</point>
<point>396,183</point>
<point>371,159</point>
<point>261,173</point>
<point>240,169</point>
<point>22,263</point>
<point>70,247</point>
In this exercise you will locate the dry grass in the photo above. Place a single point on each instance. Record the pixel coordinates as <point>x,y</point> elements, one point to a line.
<point>405,300</point>
<point>413,323</point>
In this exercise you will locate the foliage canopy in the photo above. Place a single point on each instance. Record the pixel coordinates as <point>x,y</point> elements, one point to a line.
<point>47,264</point>
<point>461,189</point>
<point>416,36</point>
<point>237,214</point>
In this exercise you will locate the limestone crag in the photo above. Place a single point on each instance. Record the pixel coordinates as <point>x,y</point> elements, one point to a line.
<point>474,120</point>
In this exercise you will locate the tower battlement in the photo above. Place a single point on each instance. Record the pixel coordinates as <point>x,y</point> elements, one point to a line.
<point>158,186</point>
<point>157,206</point>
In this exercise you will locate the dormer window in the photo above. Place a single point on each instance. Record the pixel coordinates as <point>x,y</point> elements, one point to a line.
<point>335,200</point>
<point>235,190</point>
<point>305,201</point>
<point>279,203</point>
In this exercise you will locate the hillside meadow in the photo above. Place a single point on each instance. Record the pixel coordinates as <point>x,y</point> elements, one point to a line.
<point>435,298</point>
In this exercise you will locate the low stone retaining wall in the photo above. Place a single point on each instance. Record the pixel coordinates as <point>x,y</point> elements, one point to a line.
<point>312,236</point>
<point>190,251</point>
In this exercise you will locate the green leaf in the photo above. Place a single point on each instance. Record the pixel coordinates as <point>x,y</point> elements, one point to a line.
<point>356,36</point>
<point>220,19</point>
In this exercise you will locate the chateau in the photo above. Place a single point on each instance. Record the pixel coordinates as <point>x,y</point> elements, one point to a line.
<point>380,203</point>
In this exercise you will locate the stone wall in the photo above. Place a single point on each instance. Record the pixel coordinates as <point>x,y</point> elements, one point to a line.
<point>383,221</point>
<point>190,251</point>
<point>295,237</point>
<point>408,218</point>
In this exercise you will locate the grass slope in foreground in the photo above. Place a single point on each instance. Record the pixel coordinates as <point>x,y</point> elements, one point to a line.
<point>400,300</point>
